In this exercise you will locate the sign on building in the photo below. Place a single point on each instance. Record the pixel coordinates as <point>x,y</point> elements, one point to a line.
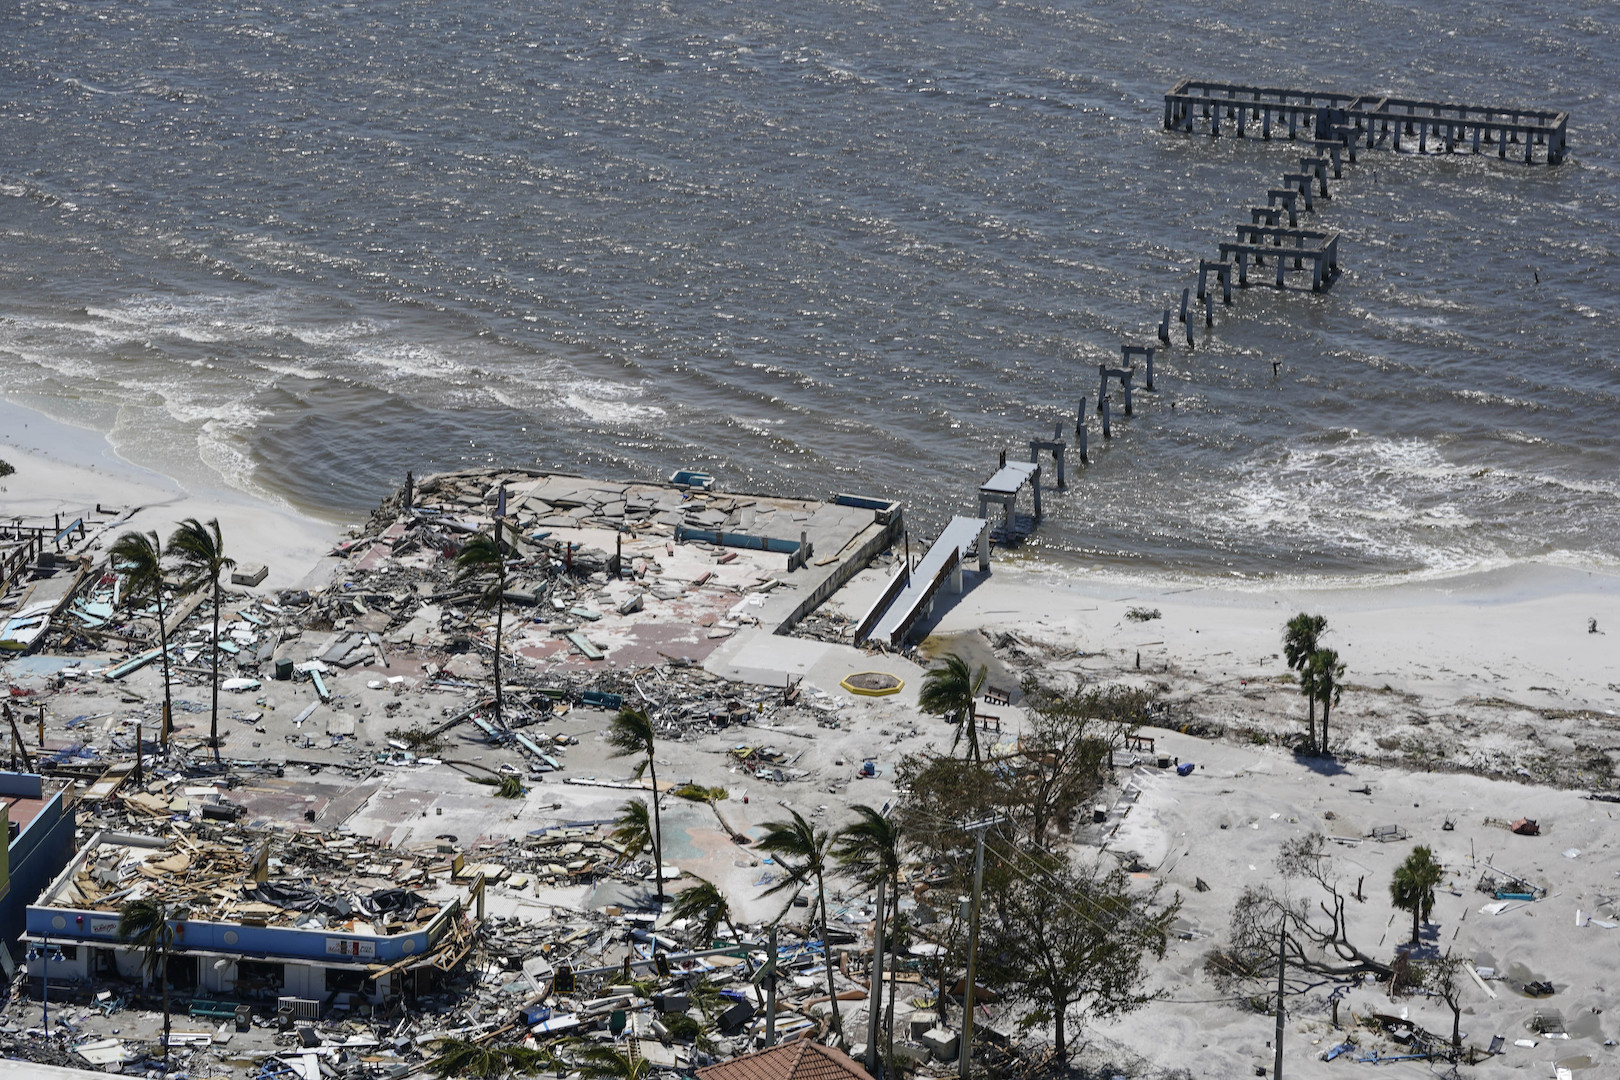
<point>351,947</point>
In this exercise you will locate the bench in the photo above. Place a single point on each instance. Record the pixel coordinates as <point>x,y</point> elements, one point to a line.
<point>598,699</point>
<point>212,1010</point>
<point>995,695</point>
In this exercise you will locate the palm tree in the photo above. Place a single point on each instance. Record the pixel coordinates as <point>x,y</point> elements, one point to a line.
<point>952,690</point>
<point>870,849</point>
<point>481,557</point>
<point>632,829</point>
<point>1300,638</point>
<point>1324,672</point>
<point>485,1061</point>
<point>149,926</point>
<point>632,733</point>
<point>706,905</point>
<point>201,550</point>
<point>797,839</point>
<point>140,556</point>
<point>1412,887</point>
<point>606,1063</point>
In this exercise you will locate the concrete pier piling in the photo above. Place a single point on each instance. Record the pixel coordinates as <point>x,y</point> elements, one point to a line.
<point>1129,352</point>
<point>1222,270</point>
<point>1164,328</point>
<point>1319,247</point>
<point>1124,375</point>
<point>1286,199</point>
<point>1301,182</point>
<point>1185,294</point>
<point>1346,118</point>
<point>1107,426</point>
<point>1317,167</point>
<point>1056,447</point>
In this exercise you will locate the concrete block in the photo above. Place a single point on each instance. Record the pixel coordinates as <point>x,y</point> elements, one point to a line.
<point>941,1042</point>
<point>249,573</point>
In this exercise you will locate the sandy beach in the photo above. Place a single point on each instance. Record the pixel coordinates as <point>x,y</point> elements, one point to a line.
<point>71,471</point>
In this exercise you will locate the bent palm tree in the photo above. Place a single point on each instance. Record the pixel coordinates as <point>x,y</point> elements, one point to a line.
<point>1412,887</point>
<point>482,558</point>
<point>606,1063</point>
<point>140,557</point>
<point>708,907</point>
<point>1300,638</point>
<point>796,839</point>
<point>1324,671</point>
<point>870,848</point>
<point>463,1058</point>
<point>632,733</point>
<point>147,925</point>
<point>201,550</point>
<point>952,689</point>
<point>632,829</point>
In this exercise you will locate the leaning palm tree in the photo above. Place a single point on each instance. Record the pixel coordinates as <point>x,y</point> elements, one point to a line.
<point>149,926</point>
<point>632,733</point>
<point>707,907</point>
<point>632,829</point>
<point>952,689</point>
<point>870,849</point>
<point>201,550</point>
<point>1324,672</point>
<point>796,839</point>
<point>606,1063</point>
<point>1300,638</point>
<point>489,1061</point>
<point>1412,887</point>
<point>140,557</point>
<point>482,558</point>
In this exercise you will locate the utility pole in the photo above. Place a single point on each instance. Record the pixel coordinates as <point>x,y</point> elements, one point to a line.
<point>770,993</point>
<point>874,994</point>
<point>1282,966</point>
<point>969,996</point>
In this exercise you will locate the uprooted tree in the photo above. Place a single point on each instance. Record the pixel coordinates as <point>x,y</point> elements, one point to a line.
<point>1311,929</point>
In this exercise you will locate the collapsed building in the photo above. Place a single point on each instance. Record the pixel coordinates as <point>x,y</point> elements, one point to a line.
<point>247,927</point>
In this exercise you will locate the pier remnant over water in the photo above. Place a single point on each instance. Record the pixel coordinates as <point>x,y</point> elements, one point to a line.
<point>1372,120</point>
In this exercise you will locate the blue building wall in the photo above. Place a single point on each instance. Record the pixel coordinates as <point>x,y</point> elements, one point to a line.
<point>42,848</point>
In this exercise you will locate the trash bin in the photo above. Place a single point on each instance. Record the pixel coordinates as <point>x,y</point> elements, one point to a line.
<point>244,1018</point>
<point>284,668</point>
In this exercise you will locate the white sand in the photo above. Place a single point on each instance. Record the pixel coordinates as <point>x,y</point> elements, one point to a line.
<point>1492,670</point>
<point>69,471</point>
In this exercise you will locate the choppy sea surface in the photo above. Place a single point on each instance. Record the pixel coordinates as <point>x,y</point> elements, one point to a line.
<point>299,248</point>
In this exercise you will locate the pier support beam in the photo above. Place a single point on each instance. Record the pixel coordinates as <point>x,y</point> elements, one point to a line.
<point>1129,352</point>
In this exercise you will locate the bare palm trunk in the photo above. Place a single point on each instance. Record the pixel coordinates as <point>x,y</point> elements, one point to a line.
<point>1326,707</point>
<point>826,955</point>
<point>658,830</point>
<point>1311,702</point>
<point>894,970</point>
<point>500,618</point>
<point>165,977</point>
<point>973,730</point>
<point>163,643</point>
<point>213,725</point>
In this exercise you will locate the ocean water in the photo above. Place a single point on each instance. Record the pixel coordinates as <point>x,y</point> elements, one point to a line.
<point>298,248</point>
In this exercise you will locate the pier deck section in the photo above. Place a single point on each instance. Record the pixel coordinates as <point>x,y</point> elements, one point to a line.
<point>943,562</point>
<point>1372,119</point>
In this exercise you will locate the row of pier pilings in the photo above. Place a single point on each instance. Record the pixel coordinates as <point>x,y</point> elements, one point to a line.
<point>1334,127</point>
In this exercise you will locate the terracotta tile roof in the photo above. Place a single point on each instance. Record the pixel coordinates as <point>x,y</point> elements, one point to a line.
<point>797,1060</point>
